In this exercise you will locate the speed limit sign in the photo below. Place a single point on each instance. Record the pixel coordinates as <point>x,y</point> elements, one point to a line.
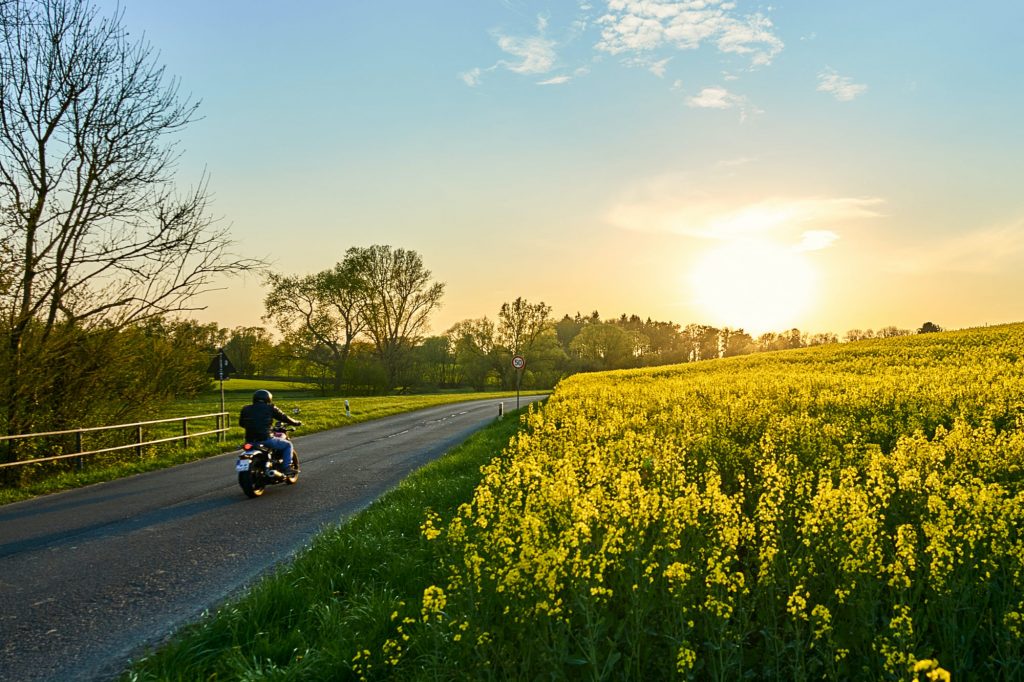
<point>518,362</point>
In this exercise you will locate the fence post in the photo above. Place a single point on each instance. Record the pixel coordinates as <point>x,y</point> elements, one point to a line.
<point>138,431</point>
<point>79,461</point>
<point>184,432</point>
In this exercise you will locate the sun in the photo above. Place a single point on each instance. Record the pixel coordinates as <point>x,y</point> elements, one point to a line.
<point>754,284</point>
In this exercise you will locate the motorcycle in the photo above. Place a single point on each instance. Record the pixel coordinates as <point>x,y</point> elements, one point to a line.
<point>260,465</point>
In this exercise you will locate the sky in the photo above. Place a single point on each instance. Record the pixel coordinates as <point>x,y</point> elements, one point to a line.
<point>821,165</point>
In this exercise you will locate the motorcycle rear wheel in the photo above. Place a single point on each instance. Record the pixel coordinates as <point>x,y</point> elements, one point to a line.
<point>252,485</point>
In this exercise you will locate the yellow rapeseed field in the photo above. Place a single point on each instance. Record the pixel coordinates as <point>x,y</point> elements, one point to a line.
<point>840,512</point>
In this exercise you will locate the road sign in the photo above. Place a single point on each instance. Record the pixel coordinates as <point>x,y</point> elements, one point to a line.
<point>518,361</point>
<point>220,367</point>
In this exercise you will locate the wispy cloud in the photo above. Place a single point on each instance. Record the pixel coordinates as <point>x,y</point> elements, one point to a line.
<point>840,87</point>
<point>644,25</point>
<point>715,98</point>
<point>657,67</point>
<point>979,251</point>
<point>801,223</point>
<point>536,54</point>
<point>471,77</point>
<point>720,98</point>
<point>557,80</point>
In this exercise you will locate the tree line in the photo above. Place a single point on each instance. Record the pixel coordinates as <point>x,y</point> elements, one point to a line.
<point>360,327</point>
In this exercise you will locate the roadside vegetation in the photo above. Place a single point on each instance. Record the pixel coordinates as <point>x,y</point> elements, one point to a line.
<point>844,512</point>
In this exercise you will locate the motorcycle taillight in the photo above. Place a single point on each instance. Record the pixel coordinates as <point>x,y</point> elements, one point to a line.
<point>247,446</point>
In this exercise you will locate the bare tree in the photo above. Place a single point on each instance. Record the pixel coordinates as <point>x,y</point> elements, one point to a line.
<point>892,331</point>
<point>89,212</point>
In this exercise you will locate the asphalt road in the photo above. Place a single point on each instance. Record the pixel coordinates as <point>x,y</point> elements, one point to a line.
<point>91,577</point>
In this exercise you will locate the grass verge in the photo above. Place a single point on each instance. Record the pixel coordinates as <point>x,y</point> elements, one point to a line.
<point>316,412</point>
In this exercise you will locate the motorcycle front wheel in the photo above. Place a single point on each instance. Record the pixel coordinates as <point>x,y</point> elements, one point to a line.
<point>252,484</point>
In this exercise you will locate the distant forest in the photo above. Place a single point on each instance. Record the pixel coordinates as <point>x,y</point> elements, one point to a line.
<point>477,353</point>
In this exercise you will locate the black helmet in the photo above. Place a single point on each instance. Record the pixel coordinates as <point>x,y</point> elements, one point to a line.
<point>263,396</point>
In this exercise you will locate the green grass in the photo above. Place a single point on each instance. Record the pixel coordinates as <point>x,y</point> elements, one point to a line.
<point>272,386</point>
<point>316,412</point>
<point>309,619</point>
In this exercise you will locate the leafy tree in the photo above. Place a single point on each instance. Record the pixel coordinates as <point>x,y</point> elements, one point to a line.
<point>736,342</point>
<point>96,234</point>
<point>859,335</point>
<point>437,362</point>
<point>398,297</point>
<point>567,328</point>
<point>794,338</point>
<point>320,315</point>
<point>476,351</point>
<point>929,328</point>
<point>822,339</point>
<point>104,375</point>
<point>519,324</point>
<point>770,341</point>
<point>666,344</point>
<point>603,346</point>
<point>175,354</point>
<point>365,375</point>
<point>547,363</point>
<point>701,342</point>
<point>250,349</point>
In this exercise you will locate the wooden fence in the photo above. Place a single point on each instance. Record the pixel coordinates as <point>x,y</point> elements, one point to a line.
<point>138,444</point>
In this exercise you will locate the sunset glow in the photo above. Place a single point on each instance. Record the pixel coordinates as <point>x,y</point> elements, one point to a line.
<point>755,285</point>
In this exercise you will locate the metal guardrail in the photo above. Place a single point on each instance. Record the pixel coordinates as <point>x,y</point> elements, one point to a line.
<point>78,433</point>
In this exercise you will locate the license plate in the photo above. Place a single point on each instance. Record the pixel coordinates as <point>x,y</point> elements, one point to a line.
<point>243,465</point>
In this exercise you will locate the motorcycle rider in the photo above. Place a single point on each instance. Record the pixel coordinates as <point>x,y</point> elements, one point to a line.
<point>257,419</point>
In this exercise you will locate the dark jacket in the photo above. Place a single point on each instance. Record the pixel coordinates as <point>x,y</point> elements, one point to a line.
<point>257,419</point>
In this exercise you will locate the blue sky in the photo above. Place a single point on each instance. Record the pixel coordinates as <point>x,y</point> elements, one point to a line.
<point>826,165</point>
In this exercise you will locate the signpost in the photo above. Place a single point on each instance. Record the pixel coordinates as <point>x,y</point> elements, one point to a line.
<point>518,362</point>
<point>220,367</point>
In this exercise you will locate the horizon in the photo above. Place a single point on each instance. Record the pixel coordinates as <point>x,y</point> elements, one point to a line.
<point>797,165</point>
